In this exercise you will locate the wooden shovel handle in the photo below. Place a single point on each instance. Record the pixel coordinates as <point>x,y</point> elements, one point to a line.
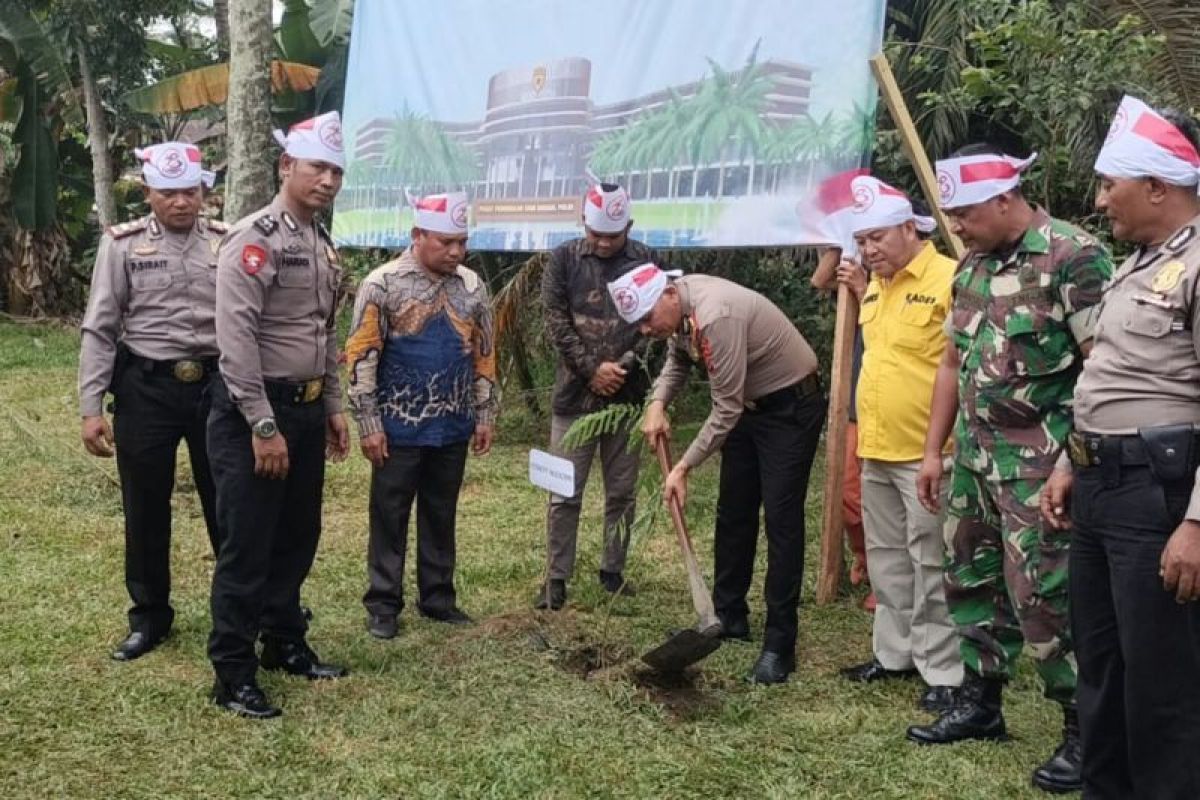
<point>701,599</point>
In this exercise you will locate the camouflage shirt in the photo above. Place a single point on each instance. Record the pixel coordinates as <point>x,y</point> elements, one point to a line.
<point>584,326</point>
<point>1017,320</point>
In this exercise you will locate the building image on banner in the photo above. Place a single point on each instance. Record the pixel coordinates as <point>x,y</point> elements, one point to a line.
<point>725,146</point>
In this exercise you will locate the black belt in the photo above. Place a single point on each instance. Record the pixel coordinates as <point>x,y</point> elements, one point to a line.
<point>295,393</point>
<point>184,370</point>
<point>1094,449</point>
<point>806,387</point>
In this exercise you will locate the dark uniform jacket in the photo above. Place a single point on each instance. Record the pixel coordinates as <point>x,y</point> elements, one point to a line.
<point>584,326</point>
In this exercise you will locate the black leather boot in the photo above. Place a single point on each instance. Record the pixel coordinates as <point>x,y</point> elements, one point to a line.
<point>975,714</point>
<point>1063,772</point>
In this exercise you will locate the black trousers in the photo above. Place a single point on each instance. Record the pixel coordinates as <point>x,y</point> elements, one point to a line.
<point>765,463</point>
<point>152,413</point>
<point>434,476</point>
<point>269,530</point>
<point>1138,650</point>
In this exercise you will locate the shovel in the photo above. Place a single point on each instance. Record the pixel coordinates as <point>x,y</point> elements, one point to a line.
<point>691,644</point>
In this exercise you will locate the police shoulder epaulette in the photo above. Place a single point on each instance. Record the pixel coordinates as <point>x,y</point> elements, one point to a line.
<point>267,224</point>
<point>216,226</point>
<point>128,228</point>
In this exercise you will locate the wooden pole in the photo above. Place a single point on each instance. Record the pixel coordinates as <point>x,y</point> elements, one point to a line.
<point>830,573</point>
<point>912,146</point>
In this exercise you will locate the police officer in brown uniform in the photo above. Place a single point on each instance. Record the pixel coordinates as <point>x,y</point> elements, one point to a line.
<point>1130,479</point>
<point>148,338</point>
<point>276,415</point>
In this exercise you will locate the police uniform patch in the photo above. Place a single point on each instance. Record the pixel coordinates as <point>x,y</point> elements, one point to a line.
<point>331,254</point>
<point>253,258</point>
<point>127,228</point>
<point>155,228</point>
<point>145,250</point>
<point>1180,239</point>
<point>214,245</point>
<point>267,224</point>
<point>289,222</point>
<point>1167,277</point>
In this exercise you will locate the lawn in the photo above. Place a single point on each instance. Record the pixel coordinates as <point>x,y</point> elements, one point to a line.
<point>506,708</point>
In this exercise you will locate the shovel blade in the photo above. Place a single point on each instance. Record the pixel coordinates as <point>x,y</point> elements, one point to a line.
<point>681,651</point>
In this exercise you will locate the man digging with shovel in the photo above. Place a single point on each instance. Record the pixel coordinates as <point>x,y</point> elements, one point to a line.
<point>767,413</point>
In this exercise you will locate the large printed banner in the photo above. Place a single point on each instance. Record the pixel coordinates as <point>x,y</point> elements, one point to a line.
<point>730,122</point>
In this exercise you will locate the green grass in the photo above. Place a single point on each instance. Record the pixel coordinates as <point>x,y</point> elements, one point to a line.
<point>494,710</point>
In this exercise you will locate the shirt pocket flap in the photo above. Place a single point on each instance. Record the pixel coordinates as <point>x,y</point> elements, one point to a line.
<point>1149,321</point>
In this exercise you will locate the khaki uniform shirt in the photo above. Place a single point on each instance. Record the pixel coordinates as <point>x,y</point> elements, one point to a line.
<point>278,286</point>
<point>748,346</point>
<point>1144,369</point>
<point>152,290</point>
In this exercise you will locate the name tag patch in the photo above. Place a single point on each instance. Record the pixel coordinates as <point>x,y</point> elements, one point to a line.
<point>146,264</point>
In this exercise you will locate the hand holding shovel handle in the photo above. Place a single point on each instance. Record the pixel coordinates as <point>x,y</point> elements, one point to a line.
<point>701,599</point>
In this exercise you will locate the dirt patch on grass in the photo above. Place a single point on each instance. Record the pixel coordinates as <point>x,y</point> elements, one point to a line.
<point>683,695</point>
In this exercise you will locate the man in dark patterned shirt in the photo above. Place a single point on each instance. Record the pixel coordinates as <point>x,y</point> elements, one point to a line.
<point>591,339</point>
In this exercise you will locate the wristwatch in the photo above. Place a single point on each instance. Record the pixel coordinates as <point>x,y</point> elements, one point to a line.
<point>265,428</point>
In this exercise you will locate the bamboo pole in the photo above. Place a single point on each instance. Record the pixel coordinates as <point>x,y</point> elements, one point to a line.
<point>830,573</point>
<point>913,148</point>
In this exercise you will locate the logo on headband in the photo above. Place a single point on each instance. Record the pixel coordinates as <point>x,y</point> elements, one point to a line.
<point>1118,125</point>
<point>171,164</point>
<point>330,134</point>
<point>615,208</point>
<point>459,215</point>
<point>864,198</point>
<point>946,187</point>
<point>626,300</point>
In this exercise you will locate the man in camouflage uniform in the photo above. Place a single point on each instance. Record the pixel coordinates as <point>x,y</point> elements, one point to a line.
<point>148,337</point>
<point>1021,323</point>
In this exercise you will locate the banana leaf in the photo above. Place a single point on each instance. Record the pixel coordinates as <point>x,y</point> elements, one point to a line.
<point>208,86</point>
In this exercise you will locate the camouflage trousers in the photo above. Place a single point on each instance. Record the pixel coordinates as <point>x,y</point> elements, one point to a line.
<point>1006,581</point>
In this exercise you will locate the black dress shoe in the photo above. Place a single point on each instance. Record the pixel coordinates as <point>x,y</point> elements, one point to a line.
<point>975,714</point>
<point>873,671</point>
<point>735,627</point>
<point>136,645</point>
<point>772,667</point>
<point>451,616</point>
<point>937,699</point>
<point>1063,772</point>
<point>552,595</point>
<point>615,583</point>
<point>246,700</point>
<point>382,626</point>
<point>297,658</point>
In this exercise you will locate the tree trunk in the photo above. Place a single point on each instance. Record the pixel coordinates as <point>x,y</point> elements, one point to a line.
<point>102,174</point>
<point>221,17</point>
<point>249,185</point>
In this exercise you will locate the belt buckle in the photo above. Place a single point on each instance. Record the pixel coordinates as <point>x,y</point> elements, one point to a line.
<point>1078,449</point>
<point>188,371</point>
<point>312,390</point>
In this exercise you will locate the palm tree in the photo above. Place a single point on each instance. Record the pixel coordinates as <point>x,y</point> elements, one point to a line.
<point>421,154</point>
<point>248,113</point>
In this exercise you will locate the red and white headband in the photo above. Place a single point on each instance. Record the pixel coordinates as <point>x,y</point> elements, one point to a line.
<point>316,139</point>
<point>635,293</point>
<point>440,213</point>
<point>967,180</point>
<point>606,208</point>
<point>878,205</point>
<point>173,165</point>
<point>1142,143</point>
